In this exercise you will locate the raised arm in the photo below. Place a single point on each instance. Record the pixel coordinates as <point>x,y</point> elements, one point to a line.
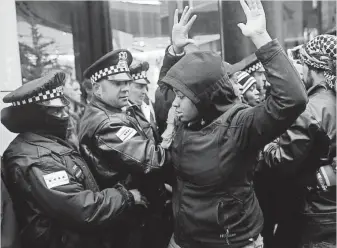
<point>287,100</point>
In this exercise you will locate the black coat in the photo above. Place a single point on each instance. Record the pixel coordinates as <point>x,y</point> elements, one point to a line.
<point>67,210</point>
<point>214,203</point>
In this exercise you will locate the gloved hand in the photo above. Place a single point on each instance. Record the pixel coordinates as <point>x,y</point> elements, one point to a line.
<point>169,133</point>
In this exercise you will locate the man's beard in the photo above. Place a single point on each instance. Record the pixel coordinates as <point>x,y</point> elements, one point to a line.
<point>309,82</point>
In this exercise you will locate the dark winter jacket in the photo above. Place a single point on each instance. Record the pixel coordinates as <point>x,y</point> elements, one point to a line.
<point>296,155</point>
<point>120,147</point>
<point>214,203</point>
<point>57,201</point>
<point>114,144</point>
<point>10,237</point>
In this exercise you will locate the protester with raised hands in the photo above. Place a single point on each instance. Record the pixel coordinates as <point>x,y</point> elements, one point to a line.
<point>217,138</point>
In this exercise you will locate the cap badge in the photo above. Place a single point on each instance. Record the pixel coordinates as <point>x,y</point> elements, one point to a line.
<point>122,60</point>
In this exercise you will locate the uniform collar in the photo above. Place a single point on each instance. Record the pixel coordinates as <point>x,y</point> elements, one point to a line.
<point>44,140</point>
<point>98,102</point>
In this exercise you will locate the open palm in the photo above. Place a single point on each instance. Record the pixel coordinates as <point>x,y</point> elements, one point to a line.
<point>256,18</point>
<point>181,28</point>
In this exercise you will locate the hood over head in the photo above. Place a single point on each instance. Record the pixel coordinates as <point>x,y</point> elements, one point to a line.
<point>203,78</point>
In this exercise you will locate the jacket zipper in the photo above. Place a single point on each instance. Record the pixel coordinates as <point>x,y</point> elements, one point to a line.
<point>180,189</point>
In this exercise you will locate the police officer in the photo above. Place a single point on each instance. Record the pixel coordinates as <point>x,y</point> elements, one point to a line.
<point>159,228</point>
<point>57,199</point>
<point>139,99</point>
<point>114,143</point>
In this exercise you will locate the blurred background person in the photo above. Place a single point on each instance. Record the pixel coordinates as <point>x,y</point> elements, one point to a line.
<point>72,90</point>
<point>138,93</point>
<point>87,91</point>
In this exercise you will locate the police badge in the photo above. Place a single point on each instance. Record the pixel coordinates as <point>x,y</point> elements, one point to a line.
<point>122,61</point>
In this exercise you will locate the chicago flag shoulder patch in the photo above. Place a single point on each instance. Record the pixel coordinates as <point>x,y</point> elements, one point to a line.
<point>56,179</point>
<point>126,133</point>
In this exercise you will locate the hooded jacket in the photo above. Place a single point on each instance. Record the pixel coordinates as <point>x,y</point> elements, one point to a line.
<point>214,203</point>
<point>56,198</point>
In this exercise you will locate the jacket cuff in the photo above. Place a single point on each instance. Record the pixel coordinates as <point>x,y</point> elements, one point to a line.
<point>171,51</point>
<point>268,51</point>
<point>171,59</point>
<point>127,195</point>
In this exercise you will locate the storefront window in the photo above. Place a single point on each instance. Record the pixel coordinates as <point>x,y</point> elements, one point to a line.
<point>42,47</point>
<point>303,20</point>
<point>144,27</point>
<point>70,35</point>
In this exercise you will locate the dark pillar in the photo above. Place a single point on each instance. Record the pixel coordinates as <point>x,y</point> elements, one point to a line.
<point>91,31</point>
<point>236,46</point>
<point>172,5</point>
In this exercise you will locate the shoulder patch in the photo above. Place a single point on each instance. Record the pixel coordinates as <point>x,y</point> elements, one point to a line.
<point>126,133</point>
<point>56,179</point>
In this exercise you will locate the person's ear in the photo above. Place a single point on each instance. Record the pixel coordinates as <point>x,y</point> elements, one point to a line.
<point>97,89</point>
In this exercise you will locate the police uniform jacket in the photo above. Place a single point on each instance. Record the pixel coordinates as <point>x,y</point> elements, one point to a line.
<point>115,145</point>
<point>57,200</point>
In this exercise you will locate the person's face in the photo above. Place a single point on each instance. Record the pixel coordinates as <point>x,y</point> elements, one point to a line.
<point>236,86</point>
<point>137,92</point>
<point>252,96</point>
<point>299,69</point>
<point>307,76</point>
<point>59,112</point>
<point>77,92</point>
<point>73,90</point>
<point>185,109</point>
<point>114,93</point>
<point>260,83</point>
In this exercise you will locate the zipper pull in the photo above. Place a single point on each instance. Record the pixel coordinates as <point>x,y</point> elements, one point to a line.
<point>227,236</point>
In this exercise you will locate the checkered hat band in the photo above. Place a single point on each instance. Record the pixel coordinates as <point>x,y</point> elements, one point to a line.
<point>42,96</point>
<point>107,72</point>
<point>138,76</point>
<point>254,67</point>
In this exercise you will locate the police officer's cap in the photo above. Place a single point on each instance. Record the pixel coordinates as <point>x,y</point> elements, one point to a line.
<point>249,64</point>
<point>47,91</point>
<point>138,72</point>
<point>112,66</point>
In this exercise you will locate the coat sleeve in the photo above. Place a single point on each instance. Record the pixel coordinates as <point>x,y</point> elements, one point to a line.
<point>260,125</point>
<point>287,153</point>
<point>69,202</point>
<point>133,153</point>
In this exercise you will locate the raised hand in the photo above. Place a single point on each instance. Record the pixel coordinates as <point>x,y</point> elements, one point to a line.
<point>256,18</point>
<point>255,28</point>
<point>181,28</point>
